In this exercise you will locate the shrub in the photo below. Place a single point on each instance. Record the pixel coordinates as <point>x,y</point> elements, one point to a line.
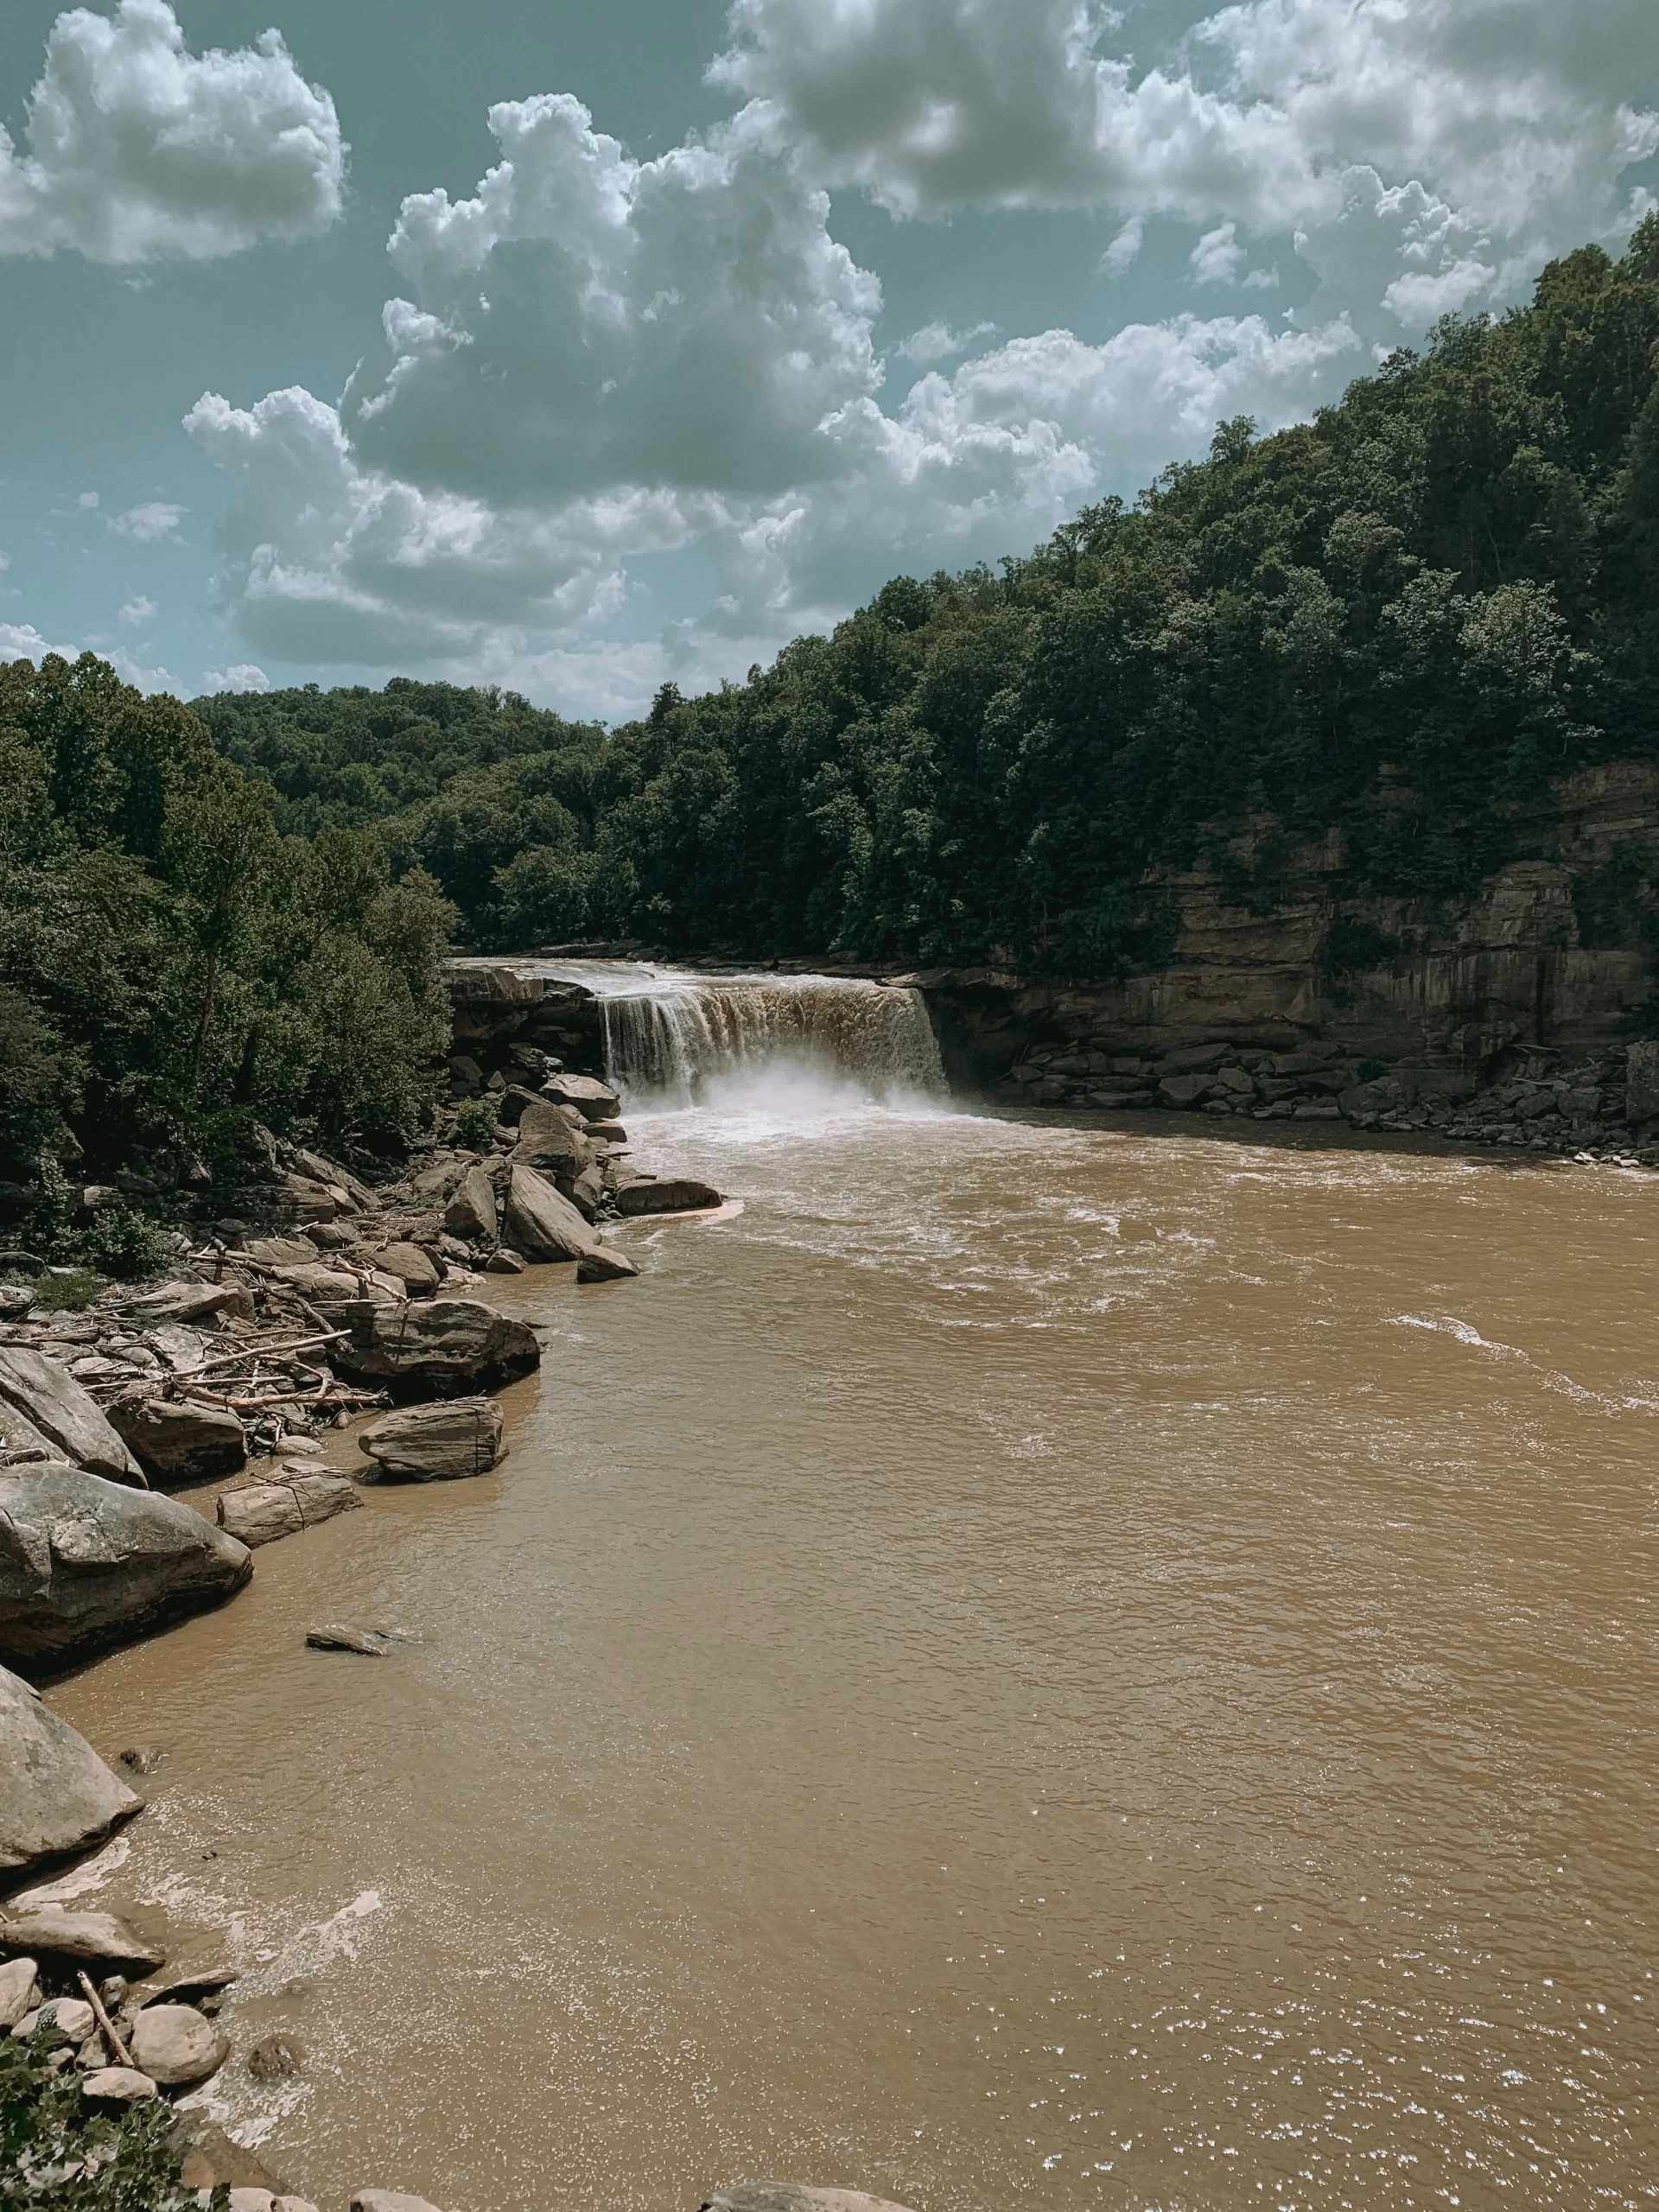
<point>475,1122</point>
<point>58,2154</point>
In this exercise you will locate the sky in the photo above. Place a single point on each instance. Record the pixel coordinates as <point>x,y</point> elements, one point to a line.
<point>580,346</point>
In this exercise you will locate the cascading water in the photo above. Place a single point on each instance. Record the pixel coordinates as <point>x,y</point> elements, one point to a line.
<point>679,1038</point>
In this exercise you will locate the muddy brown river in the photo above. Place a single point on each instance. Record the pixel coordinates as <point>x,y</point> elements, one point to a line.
<point>1038,1665</point>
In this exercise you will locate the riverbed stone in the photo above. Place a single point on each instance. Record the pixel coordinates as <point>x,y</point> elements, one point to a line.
<point>440,1347</point>
<point>541,1223</point>
<point>55,1406</point>
<point>85,1564</point>
<point>94,1938</point>
<point>423,1444</point>
<point>667,1194</point>
<point>62,2020</point>
<point>414,1269</point>
<point>604,1265</point>
<point>341,1635</point>
<point>20,1990</point>
<point>503,1261</point>
<point>59,1796</point>
<point>176,2044</point>
<point>594,1100</point>
<point>470,1213</point>
<point>291,1500</point>
<point>178,1441</point>
<point>319,1283</point>
<point>118,2085</point>
<point>794,2196</point>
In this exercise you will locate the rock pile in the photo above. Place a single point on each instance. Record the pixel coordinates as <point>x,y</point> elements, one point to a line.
<point>1493,1091</point>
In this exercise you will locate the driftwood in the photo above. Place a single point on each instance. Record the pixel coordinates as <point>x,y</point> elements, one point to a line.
<point>124,2057</point>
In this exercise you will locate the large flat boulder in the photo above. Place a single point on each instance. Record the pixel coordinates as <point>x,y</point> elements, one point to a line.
<point>59,1796</point>
<point>178,1441</point>
<point>85,1564</point>
<point>593,1100</point>
<point>54,1405</point>
<point>442,1347</point>
<point>669,1194</point>
<point>285,1505</point>
<point>93,1938</point>
<point>424,1444</point>
<point>539,1222</point>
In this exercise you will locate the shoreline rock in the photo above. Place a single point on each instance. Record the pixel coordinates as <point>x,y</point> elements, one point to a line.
<point>87,1564</point>
<point>59,1796</point>
<point>455,1438</point>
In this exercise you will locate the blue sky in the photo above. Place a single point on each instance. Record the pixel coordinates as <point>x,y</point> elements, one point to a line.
<point>573,345</point>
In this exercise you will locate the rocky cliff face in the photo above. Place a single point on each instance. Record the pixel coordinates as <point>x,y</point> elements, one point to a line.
<point>1547,974</point>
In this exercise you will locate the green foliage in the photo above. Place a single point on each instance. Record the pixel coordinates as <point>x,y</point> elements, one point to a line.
<point>125,1245</point>
<point>58,2154</point>
<point>476,1123</point>
<point>1352,943</point>
<point>173,966</point>
<point>1396,620</point>
<point>66,1293</point>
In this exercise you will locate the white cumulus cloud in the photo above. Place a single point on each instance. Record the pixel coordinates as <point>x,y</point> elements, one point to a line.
<point>136,149</point>
<point>241,676</point>
<point>137,612</point>
<point>149,520</point>
<point>1519,117</point>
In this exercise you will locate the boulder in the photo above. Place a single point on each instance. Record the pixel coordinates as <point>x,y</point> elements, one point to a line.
<point>412,1267</point>
<point>193,1301</point>
<point>387,2200</point>
<point>1641,1081</point>
<point>1381,1095</point>
<point>175,2043</point>
<point>336,1178</point>
<point>286,1505</point>
<point>593,1100</point>
<point>341,1635</point>
<point>1184,1091</point>
<point>59,1796</point>
<point>85,1564</point>
<point>443,1347</point>
<point>20,1439</point>
<point>96,1938</point>
<point>281,1251</point>
<point>118,2085</point>
<point>543,1118</point>
<point>211,2159</point>
<point>670,1194</point>
<point>424,1444</point>
<point>607,1132</point>
<point>502,1261</point>
<point>470,1213</point>
<point>794,2196</point>
<point>61,2019</point>
<point>603,1265</point>
<point>54,1405</point>
<point>586,1191</point>
<point>178,1441</point>
<point>321,1284</point>
<point>539,1222</point>
<point>20,1990</point>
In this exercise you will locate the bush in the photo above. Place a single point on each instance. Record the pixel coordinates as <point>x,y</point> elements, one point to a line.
<point>121,1244</point>
<point>475,1122</point>
<point>57,2154</point>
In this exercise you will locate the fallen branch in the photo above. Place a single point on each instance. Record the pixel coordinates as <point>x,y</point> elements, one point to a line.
<point>124,2057</point>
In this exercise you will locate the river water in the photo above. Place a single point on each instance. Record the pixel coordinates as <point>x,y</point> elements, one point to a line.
<point>1036,1665</point>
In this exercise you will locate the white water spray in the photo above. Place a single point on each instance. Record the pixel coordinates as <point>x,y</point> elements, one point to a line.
<point>678,1038</point>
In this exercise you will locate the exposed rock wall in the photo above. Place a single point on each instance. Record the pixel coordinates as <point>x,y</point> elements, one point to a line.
<point>1547,974</point>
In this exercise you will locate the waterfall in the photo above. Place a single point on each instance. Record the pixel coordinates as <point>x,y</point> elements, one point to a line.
<point>674,1035</point>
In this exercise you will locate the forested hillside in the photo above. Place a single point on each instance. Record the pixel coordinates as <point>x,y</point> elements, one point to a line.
<point>171,965</point>
<point>1454,572</point>
<point>1453,575</point>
